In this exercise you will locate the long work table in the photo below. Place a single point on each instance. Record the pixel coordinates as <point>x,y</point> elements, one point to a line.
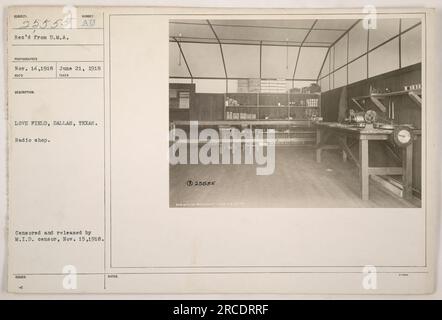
<point>362,135</point>
<point>287,132</point>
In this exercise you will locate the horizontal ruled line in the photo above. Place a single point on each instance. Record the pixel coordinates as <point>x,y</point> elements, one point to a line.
<point>66,78</point>
<point>215,272</point>
<point>57,45</point>
<point>52,29</point>
<point>32,61</point>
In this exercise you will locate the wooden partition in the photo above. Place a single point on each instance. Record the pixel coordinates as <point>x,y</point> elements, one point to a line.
<point>208,106</point>
<point>175,89</point>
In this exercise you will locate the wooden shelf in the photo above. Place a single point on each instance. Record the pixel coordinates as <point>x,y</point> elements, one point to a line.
<point>304,106</point>
<point>301,122</point>
<point>306,94</point>
<point>243,106</point>
<point>389,94</point>
<point>415,96</point>
<point>266,105</point>
<point>270,106</point>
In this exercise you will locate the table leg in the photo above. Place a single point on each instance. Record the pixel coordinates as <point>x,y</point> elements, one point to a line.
<point>344,154</point>
<point>363,171</point>
<point>318,143</point>
<point>407,165</point>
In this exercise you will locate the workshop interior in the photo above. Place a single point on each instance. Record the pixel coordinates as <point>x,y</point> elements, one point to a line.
<point>343,98</point>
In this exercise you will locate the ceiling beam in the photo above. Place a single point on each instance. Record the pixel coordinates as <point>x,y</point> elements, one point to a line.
<point>334,42</point>
<point>346,31</point>
<point>260,27</point>
<point>184,57</point>
<point>299,51</point>
<point>220,47</point>
<point>238,78</point>
<point>372,49</point>
<point>256,42</point>
<point>323,63</point>
<point>325,45</point>
<point>260,60</point>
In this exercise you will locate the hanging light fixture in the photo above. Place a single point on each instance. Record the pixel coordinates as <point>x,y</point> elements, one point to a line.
<point>287,54</point>
<point>179,57</point>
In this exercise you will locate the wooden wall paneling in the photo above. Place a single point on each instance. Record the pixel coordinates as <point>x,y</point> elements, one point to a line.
<point>330,105</point>
<point>174,112</point>
<point>244,98</point>
<point>208,106</point>
<point>272,99</point>
<point>342,107</point>
<point>178,114</point>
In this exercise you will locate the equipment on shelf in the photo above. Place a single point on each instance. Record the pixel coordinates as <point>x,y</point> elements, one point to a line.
<point>313,88</point>
<point>356,118</point>
<point>231,102</point>
<point>403,134</point>
<point>416,86</point>
<point>370,117</point>
<point>363,119</point>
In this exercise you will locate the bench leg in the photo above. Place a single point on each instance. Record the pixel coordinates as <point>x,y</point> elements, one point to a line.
<point>407,164</point>
<point>363,171</point>
<point>318,148</point>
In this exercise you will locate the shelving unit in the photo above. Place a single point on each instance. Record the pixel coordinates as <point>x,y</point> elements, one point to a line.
<point>290,119</point>
<point>376,98</point>
<point>283,110</point>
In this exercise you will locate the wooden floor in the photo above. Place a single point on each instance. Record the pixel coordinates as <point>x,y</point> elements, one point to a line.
<point>298,181</point>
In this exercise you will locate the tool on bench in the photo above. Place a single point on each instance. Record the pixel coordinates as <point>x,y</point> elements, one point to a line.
<point>370,118</point>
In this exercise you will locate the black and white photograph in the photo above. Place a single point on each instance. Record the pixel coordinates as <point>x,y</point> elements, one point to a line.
<point>213,152</point>
<point>295,113</point>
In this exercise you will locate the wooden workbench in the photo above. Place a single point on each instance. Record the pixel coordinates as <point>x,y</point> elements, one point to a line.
<point>300,131</point>
<point>343,131</point>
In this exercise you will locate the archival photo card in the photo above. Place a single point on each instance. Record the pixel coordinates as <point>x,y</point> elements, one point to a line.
<point>214,151</point>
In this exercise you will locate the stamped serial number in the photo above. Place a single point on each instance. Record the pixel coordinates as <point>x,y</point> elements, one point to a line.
<point>200,183</point>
